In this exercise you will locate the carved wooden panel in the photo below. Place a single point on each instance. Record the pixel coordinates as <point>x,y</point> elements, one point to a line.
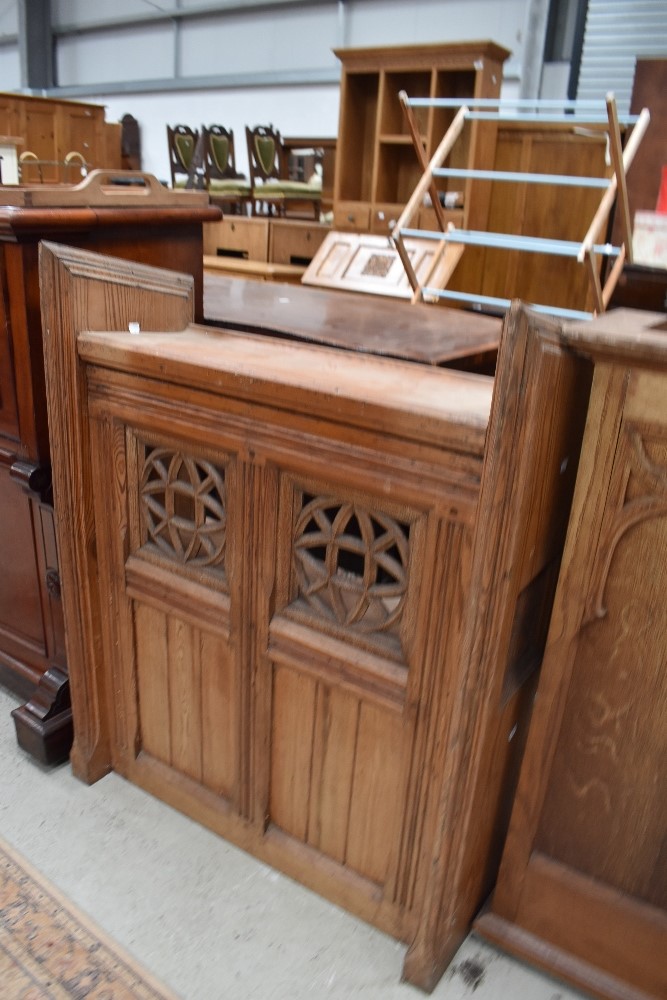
<point>292,612</point>
<point>611,759</point>
<point>182,509</point>
<point>582,887</point>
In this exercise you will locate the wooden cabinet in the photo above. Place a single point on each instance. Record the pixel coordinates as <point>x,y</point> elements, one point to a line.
<point>268,249</point>
<point>242,239</point>
<point>273,241</point>
<point>312,592</point>
<point>582,890</point>
<point>51,129</point>
<point>376,165</point>
<point>292,242</point>
<point>32,651</point>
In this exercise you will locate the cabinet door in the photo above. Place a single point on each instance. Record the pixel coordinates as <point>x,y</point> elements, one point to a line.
<point>81,132</point>
<point>40,137</point>
<point>9,116</point>
<point>583,885</point>
<point>30,623</point>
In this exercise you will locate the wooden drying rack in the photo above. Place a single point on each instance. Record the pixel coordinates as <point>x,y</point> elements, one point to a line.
<point>453,241</point>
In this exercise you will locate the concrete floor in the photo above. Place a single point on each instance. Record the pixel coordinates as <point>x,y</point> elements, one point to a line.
<point>210,921</point>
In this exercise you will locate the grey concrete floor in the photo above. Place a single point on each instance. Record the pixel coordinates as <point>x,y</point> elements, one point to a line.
<point>211,922</point>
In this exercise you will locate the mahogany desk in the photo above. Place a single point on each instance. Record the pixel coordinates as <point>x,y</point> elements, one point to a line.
<point>426,334</point>
<point>148,225</point>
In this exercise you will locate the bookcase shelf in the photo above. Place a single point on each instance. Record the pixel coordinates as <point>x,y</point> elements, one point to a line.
<point>377,168</point>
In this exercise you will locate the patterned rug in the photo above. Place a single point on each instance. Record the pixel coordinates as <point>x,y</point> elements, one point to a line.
<point>50,950</point>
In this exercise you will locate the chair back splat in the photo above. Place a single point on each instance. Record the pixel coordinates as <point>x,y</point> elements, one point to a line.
<point>182,142</point>
<point>226,186</point>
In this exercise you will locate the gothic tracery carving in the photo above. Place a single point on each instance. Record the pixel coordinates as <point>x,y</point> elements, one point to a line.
<point>351,563</point>
<point>182,503</point>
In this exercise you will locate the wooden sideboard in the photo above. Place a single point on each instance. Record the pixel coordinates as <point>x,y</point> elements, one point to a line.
<point>32,643</point>
<point>582,890</point>
<point>306,590</point>
<point>53,128</point>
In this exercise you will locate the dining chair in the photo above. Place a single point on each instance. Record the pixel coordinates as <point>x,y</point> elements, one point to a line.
<point>268,176</point>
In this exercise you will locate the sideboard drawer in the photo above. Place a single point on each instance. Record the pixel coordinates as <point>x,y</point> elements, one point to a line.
<point>295,242</point>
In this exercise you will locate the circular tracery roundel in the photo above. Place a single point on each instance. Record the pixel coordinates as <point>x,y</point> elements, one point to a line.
<point>183,507</point>
<point>351,564</point>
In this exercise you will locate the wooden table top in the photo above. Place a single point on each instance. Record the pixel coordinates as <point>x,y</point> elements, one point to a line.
<point>432,335</point>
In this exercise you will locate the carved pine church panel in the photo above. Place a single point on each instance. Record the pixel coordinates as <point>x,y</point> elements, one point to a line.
<point>185,671</point>
<point>182,509</point>
<point>610,762</point>
<point>350,566</point>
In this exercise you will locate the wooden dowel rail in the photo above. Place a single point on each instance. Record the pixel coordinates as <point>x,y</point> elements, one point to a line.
<point>443,150</point>
<point>607,201</point>
<point>421,156</point>
<point>616,148</point>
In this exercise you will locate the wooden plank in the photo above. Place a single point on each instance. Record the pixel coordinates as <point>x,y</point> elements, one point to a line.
<point>530,466</point>
<point>604,926</point>
<point>98,292</point>
<point>153,681</point>
<point>291,751</point>
<point>185,697</point>
<point>260,270</point>
<point>412,401</point>
<point>342,319</point>
<point>334,744</point>
<point>220,716</point>
<point>377,793</point>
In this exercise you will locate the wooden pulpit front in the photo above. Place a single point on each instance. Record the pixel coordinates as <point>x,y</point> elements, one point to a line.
<point>306,590</point>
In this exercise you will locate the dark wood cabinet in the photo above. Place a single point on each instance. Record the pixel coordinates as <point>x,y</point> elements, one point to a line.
<point>32,650</point>
<point>582,889</point>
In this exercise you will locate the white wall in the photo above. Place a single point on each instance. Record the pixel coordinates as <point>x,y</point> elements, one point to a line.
<point>298,39</point>
<point>294,110</point>
<point>127,69</point>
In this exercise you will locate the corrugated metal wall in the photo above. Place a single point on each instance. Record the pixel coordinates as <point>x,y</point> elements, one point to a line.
<point>617,31</point>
